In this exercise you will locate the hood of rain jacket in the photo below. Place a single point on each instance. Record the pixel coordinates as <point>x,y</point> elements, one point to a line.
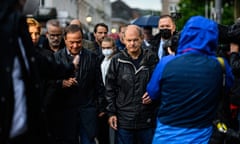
<point>199,35</point>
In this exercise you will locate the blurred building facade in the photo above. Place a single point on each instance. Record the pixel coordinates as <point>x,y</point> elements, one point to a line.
<point>91,12</point>
<point>121,14</point>
<point>169,6</point>
<point>66,10</point>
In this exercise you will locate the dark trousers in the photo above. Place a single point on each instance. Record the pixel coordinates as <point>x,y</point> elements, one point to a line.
<point>66,126</point>
<point>139,136</point>
<point>63,127</point>
<point>21,139</point>
<point>103,130</point>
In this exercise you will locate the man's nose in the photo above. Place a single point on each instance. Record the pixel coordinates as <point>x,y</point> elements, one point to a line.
<point>75,45</point>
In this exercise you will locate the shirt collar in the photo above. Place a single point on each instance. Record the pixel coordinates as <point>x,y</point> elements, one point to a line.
<point>69,54</point>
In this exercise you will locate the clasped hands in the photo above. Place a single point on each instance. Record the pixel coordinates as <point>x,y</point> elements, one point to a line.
<point>72,80</point>
<point>69,82</point>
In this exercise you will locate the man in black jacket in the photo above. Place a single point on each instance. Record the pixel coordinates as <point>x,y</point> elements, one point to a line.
<point>74,107</point>
<point>126,81</point>
<point>167,29</point>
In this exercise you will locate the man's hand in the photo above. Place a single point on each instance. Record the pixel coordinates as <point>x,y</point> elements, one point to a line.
<point>113,122</point>
<point>76,61</point>
<point>101,114</point>
<point>234,47</point>
<point>170,51</point>
<point>146,99</point>
<point>69,82</point>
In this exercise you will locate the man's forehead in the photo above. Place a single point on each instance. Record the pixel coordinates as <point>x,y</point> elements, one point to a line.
<point>133,35</point>
<point>165,20</point>
<point>101,29</point>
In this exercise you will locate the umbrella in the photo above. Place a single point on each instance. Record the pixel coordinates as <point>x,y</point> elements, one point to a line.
<point>148,20</point>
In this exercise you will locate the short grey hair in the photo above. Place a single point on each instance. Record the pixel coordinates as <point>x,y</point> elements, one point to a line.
<point>53,22</point>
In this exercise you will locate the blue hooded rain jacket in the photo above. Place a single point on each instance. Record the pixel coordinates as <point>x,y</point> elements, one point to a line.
<point>189,85</point>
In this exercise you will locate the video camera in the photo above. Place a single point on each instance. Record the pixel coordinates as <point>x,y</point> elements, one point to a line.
<point>176,15</point>
<point>172,43</point>
<point>223,50</point>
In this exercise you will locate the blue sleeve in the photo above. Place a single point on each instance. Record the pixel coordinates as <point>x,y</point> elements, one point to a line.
<point>154,85</point>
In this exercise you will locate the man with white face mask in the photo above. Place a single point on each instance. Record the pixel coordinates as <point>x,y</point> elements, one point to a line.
<point>108,50</point>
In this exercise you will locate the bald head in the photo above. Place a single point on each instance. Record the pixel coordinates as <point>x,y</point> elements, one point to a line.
<point>133,29</point>
<point>75,22</point>
<point>133,38</point>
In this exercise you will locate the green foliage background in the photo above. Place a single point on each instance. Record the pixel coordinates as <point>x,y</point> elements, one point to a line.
<point>189,8</point>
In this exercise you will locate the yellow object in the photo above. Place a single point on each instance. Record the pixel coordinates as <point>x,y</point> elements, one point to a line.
<point>222,127</point>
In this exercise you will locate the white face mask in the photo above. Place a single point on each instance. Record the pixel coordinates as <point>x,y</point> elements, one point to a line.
<point>107,52</point>
<point>31,7</point>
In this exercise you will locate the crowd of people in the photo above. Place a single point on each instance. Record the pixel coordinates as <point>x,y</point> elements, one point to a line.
<point>60,88</point>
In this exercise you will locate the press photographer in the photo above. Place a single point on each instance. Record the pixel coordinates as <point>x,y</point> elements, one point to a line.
<point>170,46</point>
<point>227,35</point>
<point>167,29</point>
<point>228,126</point>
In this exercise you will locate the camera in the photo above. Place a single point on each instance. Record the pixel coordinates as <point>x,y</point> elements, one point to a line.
<point>223,50</point>
<point>176,15</point>
<point>172,43</point>
<point>224,47</point>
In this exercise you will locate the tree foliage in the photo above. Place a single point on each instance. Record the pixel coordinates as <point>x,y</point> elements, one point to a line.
<point>189,8</point>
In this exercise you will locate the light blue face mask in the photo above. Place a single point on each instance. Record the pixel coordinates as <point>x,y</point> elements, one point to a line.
<point>107,52</point>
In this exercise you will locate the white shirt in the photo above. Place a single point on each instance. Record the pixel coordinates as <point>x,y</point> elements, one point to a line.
<point>161,50</point>
<point>104,67</point>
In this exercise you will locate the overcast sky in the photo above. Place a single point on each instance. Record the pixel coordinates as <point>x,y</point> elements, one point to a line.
<point>143,4</point>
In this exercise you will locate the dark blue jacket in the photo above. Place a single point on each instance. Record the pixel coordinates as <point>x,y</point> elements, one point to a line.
<point>189,84</point>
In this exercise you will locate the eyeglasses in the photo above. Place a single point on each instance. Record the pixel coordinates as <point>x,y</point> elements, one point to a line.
<point>55,35</point>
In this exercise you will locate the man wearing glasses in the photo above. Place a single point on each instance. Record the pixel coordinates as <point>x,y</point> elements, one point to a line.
<point>54,35</point>
<point>53,42</point>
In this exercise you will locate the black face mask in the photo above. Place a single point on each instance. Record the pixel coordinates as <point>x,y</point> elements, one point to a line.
<point>165,33</point>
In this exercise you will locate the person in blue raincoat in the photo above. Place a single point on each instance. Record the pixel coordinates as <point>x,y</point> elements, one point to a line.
<point>188,86</point>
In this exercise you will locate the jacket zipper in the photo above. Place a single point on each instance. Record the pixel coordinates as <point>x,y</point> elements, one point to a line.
<point>136,70</point>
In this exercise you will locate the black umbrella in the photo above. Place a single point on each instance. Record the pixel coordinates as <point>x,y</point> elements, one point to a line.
<point>148,20</point>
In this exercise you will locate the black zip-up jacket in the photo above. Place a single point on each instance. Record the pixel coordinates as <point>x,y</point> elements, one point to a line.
<point>90,85</point>
<point>84,96</point>
<point>125,86</point>
<point>235,90</point>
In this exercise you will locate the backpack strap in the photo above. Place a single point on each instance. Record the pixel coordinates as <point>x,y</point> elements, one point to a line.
<point>223,105</point>
<point>221,61</point>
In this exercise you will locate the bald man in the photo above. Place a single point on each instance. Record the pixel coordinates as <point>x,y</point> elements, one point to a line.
<point>126,81</point>
<point>76,22</point>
